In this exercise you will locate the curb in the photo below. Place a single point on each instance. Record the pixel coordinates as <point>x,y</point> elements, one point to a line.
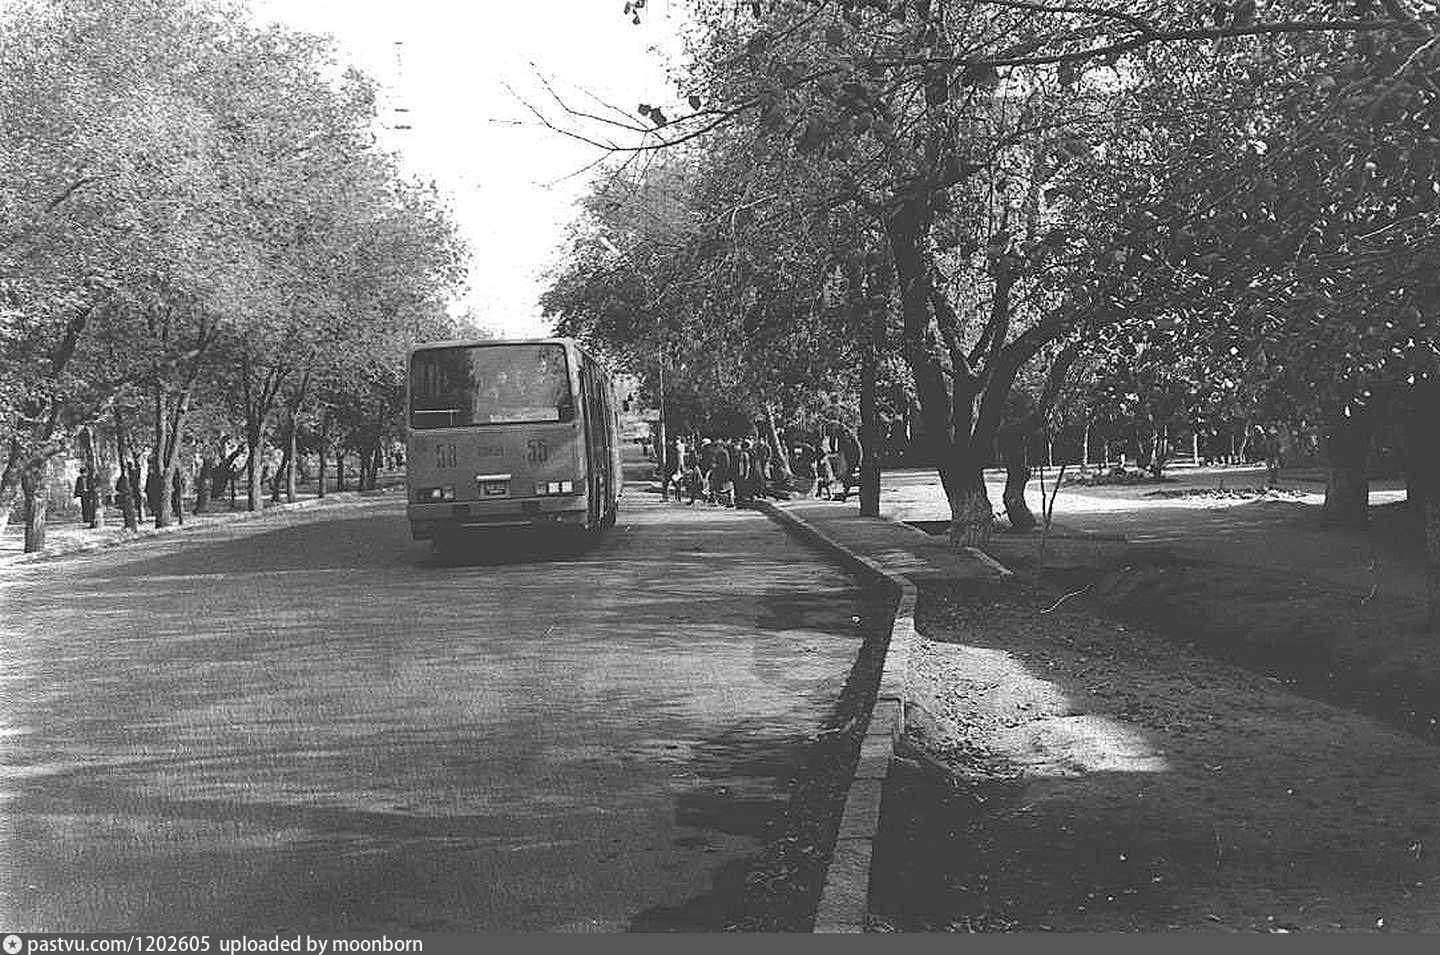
<point>1000,569</point>
<point>147,533</point>
<point>845,897</point>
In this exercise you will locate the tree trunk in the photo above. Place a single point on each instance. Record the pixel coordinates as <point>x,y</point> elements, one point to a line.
<point>324,450</point>
<point>32,485</point>
<point>290,457</point>
<point>177,483</point>
<point>1085,449</point>
<point>971,516</point>
<point>162,507</point>
<point>339,469</point>
<point>1347,489</point>
<point>1159,451</point>
<point>172,477</point>
<point>203,482</point>
<point>254,476</point>
<point>1013,450</point>
<point>9,481</point>
<point>277,480</point>
<point>870,422</point>
<point>96,500</point>
<point>784,473</point>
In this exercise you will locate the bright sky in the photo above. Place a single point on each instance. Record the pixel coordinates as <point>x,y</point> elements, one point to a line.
<point>513,187</point>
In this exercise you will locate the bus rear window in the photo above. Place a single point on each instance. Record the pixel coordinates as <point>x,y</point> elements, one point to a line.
<point>489,384</point>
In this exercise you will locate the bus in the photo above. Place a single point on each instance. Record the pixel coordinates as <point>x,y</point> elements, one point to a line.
<point>509,434</point>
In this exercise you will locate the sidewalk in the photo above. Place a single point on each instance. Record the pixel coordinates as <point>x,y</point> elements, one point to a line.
<point>898,548</point>
<point>70,536</point>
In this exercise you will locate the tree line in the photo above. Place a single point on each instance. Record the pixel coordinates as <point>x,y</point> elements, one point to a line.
<point>1020,214</point>
<point>203,247</point>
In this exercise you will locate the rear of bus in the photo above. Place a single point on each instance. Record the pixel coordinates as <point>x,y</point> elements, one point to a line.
<point>495,438</point>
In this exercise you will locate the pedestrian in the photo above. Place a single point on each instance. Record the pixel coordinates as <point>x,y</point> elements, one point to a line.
<point>744,467</point>
<point>722,477</point>
<point>824,475</point>
<point>1273,460</point>
<point>672,469</point>
<point>762,468</point>
<point>707,468</point>
<point>154,486</point>
<point>85,491</point>
<point>694,480</point>
<point>845,458</point>
<point>802,460</point>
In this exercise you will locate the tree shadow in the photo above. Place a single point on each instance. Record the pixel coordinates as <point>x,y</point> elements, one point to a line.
<point>1197,788</point>
<point>794,819</point>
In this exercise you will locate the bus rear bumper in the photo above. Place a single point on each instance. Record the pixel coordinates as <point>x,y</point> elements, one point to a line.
<point>431,521</point>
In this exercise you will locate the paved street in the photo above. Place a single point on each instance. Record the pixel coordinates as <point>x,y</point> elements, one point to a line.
<point>309,722</point>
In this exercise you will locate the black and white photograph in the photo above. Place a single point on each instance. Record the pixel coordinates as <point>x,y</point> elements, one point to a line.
<point>716,467</point>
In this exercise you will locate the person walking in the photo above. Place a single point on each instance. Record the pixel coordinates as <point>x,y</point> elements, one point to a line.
<point>824,475</point>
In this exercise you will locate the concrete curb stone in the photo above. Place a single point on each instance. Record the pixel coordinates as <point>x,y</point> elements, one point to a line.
<point>844,899</point>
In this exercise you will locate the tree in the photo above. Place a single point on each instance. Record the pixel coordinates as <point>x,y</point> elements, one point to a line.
<point>185,200</point>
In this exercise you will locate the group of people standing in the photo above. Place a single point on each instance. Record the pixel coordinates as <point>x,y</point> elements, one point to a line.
<point>723,471</point>
<point>734,472</point>
<point>146,495</point>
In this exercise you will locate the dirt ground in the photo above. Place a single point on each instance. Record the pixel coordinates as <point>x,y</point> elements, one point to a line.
<point>1180,745</point>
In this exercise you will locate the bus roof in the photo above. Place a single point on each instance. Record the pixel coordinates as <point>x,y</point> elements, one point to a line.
<point>466,342</point>
<point>470,342</point>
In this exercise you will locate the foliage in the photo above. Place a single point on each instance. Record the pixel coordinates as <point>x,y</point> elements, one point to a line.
<point>194,208</point>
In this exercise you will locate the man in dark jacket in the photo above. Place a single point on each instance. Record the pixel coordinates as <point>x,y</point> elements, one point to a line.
<point>154,486</point>
<point>722,475</point>
<point>85,491</point>
<point>744,474</point>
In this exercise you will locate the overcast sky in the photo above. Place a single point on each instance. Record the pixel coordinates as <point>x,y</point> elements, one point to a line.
<point>449,64</point>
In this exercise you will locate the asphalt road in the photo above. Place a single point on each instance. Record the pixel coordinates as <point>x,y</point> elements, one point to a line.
<point>310,723</point>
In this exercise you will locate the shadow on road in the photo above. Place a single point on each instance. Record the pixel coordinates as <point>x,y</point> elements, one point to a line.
<point>511,546</point>
<point>791,805</point>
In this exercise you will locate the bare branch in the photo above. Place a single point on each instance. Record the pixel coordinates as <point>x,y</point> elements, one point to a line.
<point>1016,57</point>
<point>1098,12</point>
